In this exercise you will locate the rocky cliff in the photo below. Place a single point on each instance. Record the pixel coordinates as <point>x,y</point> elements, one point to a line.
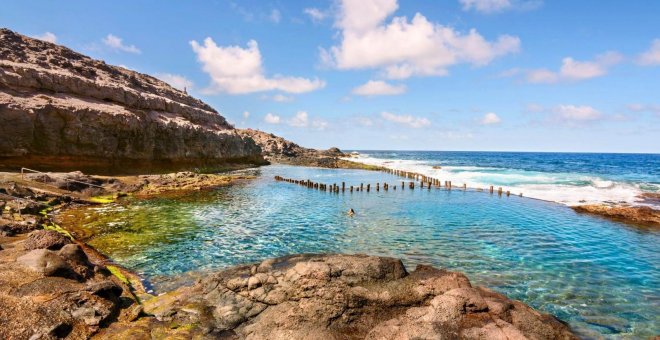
<point>61,110</point>
<point>279,150</point>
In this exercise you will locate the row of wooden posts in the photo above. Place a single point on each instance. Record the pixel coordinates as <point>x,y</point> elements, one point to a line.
<point>429,182</point>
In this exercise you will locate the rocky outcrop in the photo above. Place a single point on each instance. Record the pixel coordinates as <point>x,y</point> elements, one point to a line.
<point>61,110</point>
<point>47,294</point>
<point>279,150</point>
<point>637,215</point>
<point>338,297</point>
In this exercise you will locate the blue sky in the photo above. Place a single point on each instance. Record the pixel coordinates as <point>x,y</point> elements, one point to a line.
<point>514,75</point>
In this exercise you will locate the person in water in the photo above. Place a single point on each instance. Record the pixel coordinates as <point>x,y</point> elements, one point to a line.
<point>351,212</point>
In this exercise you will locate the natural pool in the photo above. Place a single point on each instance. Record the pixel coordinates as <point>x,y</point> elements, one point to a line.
<point>600,276</point>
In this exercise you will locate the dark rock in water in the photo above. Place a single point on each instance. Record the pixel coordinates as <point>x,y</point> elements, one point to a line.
<point>45,239</point>
<point>60,110</point>
<point>343,297</point>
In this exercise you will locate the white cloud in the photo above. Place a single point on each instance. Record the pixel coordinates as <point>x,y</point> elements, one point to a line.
<point>272,119</point>
<point>246,114</point>
<point>365,121</point>
<point>490,118</point>
<point>414,122</point>
<point>644,108</point>
<point>573,70</point>
<point>486,6</point>
<point>572,113</point>
<point>493,6</point>
<point>319,124</point>
<point>175,80</point>
<point>275,16</point>
<point>534,108</point>
<point>652,56</point>
<point>47,36</point>
<point>301,120</point>
<point>542,76</point>
<point>280,98</point>
<point>316,14</point>
<point>116,43</point>
<point>402,48</point>
<point>238,70</point>
<point>378,88</point>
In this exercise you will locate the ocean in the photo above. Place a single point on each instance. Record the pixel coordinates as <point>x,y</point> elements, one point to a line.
<point>567,178</point>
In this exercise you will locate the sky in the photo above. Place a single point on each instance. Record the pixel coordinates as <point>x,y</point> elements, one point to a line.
<point>487,75</point>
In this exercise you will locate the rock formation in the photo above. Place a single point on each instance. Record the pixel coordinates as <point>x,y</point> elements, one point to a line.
<point>279,150</point>
<point>338,297</point>
<point>642,216</point>
<point>61,110</point>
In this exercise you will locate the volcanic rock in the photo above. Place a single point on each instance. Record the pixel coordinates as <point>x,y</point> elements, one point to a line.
<point>61,110</point>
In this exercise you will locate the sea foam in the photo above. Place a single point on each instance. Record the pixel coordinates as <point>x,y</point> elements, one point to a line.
<point>565,188</point>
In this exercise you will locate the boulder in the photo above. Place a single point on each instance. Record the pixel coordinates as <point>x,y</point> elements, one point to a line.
<point>45,239</point>
<point>46,263</point>
<point>347,297</point>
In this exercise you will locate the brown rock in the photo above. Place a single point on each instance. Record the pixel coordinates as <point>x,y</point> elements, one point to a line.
<point>46,263</point>
<point>45,239</point>
<point>61,110</point>
<point>346,297</point>
<point>638,215</point>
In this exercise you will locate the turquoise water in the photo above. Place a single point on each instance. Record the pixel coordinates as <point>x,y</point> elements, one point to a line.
<point>601,277</point>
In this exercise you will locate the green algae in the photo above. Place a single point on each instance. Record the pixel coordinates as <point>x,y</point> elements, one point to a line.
<point>103,199</point>
<point>57,228</point>
<point>114,270</point>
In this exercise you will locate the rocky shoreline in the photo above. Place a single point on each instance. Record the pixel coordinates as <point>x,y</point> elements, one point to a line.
<point>640,216</point>
<point>54,286</point>
<point>276,149</point>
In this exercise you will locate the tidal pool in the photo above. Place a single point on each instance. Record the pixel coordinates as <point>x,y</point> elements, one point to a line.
<point>601,277</point>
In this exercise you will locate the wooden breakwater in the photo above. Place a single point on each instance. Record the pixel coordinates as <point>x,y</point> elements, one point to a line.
<point>420,181</point>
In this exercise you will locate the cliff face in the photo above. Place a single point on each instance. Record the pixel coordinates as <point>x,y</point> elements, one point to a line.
<point>61,110</point>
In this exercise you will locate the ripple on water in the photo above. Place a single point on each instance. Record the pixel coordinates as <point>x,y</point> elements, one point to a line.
<point>601,277</point>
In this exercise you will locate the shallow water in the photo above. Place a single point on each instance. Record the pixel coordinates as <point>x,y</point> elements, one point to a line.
<point>600,276</point>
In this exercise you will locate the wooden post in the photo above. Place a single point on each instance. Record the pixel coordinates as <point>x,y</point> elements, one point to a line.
<point>403,185</point>
<point>491,189</point>
<point>464,186</point>
<point>521,194</point>
<point>377,186</point>
<point>368,187</point>
<point>508,193</point>
<point>499,191</point>
<point>351,188</point>
<point>361,186</point>
<point>343,186</point>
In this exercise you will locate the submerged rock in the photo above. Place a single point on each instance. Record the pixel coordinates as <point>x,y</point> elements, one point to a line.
<point>340,297</point>
<point>61,110</point>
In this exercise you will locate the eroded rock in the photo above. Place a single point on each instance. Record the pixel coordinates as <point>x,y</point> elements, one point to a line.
<point>45,239</point>
<point>61,110</point>
<point>345,297</point>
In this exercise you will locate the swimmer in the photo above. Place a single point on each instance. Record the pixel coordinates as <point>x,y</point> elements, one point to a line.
<point>351,212</point>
